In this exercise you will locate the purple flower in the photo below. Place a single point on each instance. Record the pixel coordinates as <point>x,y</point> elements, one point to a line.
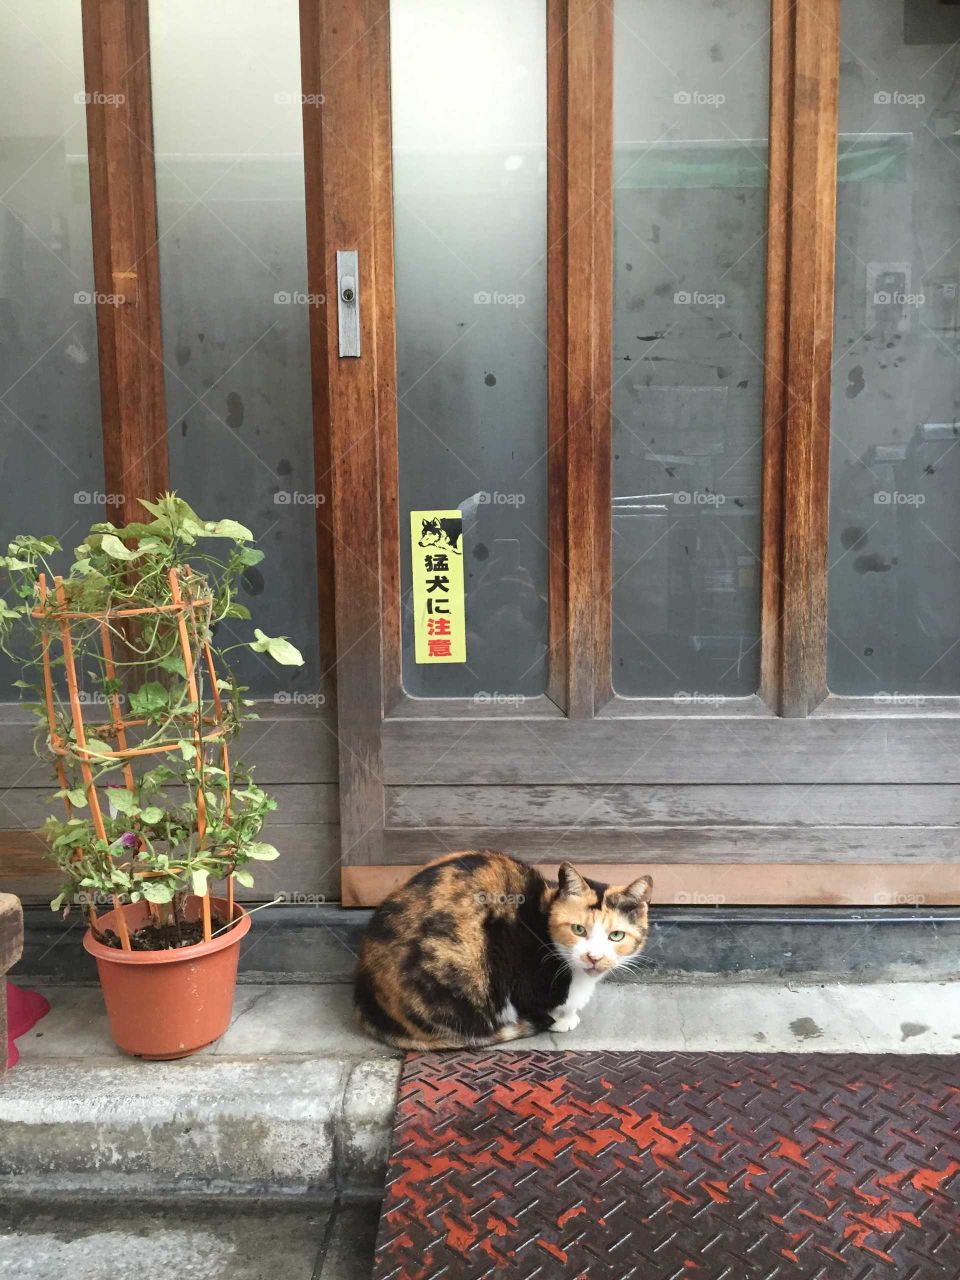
<point>129,840</point>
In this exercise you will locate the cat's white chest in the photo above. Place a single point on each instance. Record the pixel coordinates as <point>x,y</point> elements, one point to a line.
<point>566,1017</point>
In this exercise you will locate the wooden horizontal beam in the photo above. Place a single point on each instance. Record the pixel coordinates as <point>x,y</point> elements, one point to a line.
<point>788,884</point>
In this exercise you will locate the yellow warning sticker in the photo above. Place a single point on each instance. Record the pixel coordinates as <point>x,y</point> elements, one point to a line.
<point>436,539</point>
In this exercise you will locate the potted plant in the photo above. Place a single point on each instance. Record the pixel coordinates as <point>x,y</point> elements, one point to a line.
<point>138,709</point>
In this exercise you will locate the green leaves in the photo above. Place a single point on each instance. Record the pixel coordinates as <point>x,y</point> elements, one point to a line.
<point>150,699</point>
<point>261,852</point>
<point>114,548</point>
<point>157,891</point>
<point>123,801</point>
<point>149,843</point>
<point>278,647</point>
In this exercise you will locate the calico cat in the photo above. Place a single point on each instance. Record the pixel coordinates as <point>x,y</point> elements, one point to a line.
<point>477,949</point>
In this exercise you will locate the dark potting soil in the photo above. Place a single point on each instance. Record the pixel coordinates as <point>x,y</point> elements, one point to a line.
<point>153,937</point>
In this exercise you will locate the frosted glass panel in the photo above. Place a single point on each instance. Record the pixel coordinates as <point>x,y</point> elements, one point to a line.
<point>894,583</point>
<point>469,137</point>
<point>229,143</point>
<point>51,459</point>
<point>690,205</point>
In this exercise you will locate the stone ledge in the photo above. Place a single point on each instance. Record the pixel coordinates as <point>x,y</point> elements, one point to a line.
<point>294,1102</point>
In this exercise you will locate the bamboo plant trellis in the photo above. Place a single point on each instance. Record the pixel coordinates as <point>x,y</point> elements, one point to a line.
<point>206,730</point>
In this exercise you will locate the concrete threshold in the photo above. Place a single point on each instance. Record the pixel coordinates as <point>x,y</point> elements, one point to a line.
<point>293,1101</point>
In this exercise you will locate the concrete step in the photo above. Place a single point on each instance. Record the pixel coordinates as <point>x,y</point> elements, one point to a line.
<point>201,1240</point>
<point>293,1101</point>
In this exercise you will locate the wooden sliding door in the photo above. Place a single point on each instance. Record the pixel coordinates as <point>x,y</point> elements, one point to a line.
<point>603,313</point>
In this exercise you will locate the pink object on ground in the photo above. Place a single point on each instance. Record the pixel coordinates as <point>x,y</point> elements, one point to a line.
<point>24,1010</point>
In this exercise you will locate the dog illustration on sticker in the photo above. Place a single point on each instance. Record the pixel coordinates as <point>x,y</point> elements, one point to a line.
<point>442,532</point>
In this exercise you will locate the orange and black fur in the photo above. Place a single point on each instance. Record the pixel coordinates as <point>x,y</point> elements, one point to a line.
<point>477,948</point>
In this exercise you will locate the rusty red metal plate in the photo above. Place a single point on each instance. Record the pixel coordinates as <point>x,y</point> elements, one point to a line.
<point>673,1167</point>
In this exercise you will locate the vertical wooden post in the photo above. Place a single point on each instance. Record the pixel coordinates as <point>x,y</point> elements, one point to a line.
<point>344,158</point>
<point>579,340</point>
<point>805,51</point>
<point>116,46</point>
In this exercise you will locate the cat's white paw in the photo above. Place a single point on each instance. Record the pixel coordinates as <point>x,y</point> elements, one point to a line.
<point>566,1022</point>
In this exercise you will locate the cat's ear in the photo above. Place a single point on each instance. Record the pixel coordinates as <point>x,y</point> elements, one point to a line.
<point>572,883</point>
<point>632,896</point>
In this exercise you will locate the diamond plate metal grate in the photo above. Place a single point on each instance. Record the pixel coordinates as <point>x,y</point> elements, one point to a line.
<point>673,1167</point>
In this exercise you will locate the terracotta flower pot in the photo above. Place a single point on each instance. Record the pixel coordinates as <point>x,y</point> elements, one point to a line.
<point>167,1004</point>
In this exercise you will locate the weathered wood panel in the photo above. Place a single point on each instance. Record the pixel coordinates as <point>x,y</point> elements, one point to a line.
<point>816,750</point>
<point>308,866</point>
<point>285,745</point>
<point>638,806</point>
<point>666,845</point>
<point>721,884</point>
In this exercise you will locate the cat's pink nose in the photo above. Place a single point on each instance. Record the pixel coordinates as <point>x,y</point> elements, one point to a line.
<point>593,959</point>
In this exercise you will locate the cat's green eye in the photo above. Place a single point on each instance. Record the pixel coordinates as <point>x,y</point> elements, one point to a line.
<point>579,930</point>
<point>616,936</point>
